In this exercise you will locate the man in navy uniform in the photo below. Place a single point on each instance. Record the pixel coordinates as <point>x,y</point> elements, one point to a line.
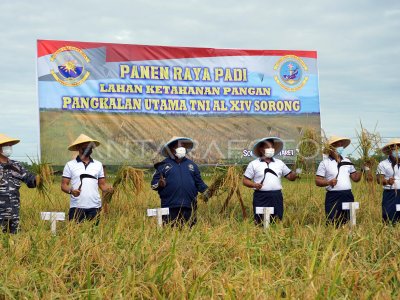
<point>178,181</point>
<point>11,175</point>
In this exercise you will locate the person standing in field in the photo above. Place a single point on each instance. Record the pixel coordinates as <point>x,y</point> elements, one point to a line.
<point>388,174</point>
<point>335,173</point>
<point>177,180</point>
<point>264,175</point>
<point>12,173</point>
<point>82,177</point>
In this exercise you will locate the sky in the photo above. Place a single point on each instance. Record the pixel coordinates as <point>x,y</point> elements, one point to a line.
<point>358,43</point>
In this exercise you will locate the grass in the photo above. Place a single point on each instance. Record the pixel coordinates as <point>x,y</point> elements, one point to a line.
<point>223,256</point>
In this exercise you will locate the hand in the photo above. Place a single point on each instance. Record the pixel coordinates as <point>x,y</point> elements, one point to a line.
<point>365,168</point>
<point>257,186</point>
<point>109,189</point>
<point>161,182</point>
<point>206,195</point>
<point>390,181</point>
<point>332,182</point>
<point>75,193</point>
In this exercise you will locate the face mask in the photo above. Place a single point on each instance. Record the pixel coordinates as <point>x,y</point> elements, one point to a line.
<point>396,154</point>
<point>180,152</point>
<point>339,150</point>
<point>88,151</point>
<point>269,152</point>
<point>6,151</point>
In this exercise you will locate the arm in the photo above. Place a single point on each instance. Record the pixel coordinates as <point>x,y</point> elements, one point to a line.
<point>158,181</point>
<point>24,175</point>
<point>356,176</point>
<point>65,187</point>
<point>292,176</point>
<point>320,179</point>
<point>250,184</point>
<point>322,182</point>
<point>201,186</point>
<point>105,188</point>
<point>380,179</point>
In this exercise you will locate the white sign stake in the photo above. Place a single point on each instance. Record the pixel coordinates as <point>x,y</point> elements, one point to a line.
<point>267,212</point>
<point>352,206</point>
<point>53,217</point>
<point>158,212</point>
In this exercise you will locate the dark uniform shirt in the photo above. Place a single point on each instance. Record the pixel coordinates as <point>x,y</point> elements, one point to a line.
<point>183,182</point>
<point>11,175</point>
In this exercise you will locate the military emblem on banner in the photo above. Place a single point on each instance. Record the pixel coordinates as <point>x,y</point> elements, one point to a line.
<point>69,66</point>
<point>291,73</point>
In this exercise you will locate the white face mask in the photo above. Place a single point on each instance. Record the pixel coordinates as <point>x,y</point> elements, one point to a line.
<point>6,151</point>
<point>339,150</point>
<point>180,152</point>
<point>269,152</point>
<point>396,154</point>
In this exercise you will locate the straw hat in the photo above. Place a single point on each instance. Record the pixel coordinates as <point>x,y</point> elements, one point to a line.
<point>7,140</point>
<point>182,142</point>
<point>278,145</point>
<point>333,139</point>
<point>393,142</point>
<point>81,140</point>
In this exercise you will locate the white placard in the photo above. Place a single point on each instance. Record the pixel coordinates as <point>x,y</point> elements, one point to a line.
<point>397,207</point>
<point>59,216</point>
<point>260,210</point>
<point>158,212</point>
<point>346,205</point>
<point>352,206</point>
<point>53,217</point>
<point>152,212</point>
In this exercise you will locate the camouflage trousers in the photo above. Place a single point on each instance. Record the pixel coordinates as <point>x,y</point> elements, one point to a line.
<point>9,225</point>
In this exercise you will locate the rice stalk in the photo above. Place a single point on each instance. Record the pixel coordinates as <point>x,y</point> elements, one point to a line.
<point>127,180</point>
<point>368,146</point>
<point>44,178</point>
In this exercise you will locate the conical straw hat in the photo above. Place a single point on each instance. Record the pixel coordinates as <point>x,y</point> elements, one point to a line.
<point>333,139</point>
<point>278,145</point>
<point>386,148</point>
<point>81,140</point>
<point>8,140</point>
<point>183,142</point>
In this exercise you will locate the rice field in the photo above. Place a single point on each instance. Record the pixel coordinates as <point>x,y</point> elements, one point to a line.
<point>126,256</point>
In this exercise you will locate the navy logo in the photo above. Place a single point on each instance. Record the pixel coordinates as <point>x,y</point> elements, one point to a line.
<point>291,73</point>
<point>70,65</point>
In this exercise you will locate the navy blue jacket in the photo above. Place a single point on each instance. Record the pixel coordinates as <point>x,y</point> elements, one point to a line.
<point>183,182</point>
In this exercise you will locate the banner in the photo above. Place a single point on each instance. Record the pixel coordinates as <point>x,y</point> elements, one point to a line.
<point>134,98</point>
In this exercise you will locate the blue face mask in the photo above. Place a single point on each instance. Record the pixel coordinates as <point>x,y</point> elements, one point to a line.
<point>340,150</point>
<point>396,154</point>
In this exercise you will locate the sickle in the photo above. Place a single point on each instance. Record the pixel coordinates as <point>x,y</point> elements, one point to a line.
<point>268,170</point>
<point>342,163</point>
<point>85,176</point>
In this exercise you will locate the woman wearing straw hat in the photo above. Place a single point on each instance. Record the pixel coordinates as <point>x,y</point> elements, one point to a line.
<point>82,177</point>
<point>388,174</point>
<point>11,175</point>
<point>178,181</point>
<point>335,173</point>
<point>264,176</point>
